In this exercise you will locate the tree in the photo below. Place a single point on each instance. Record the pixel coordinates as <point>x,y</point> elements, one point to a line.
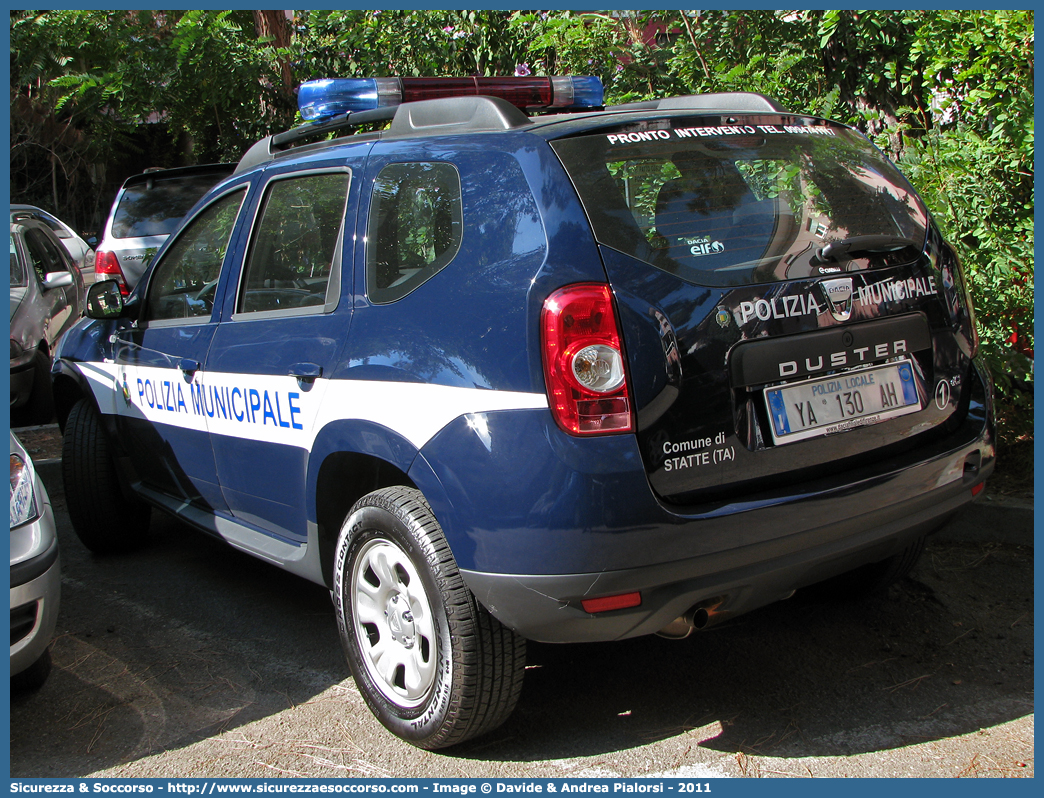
<point>86,84</point>
<point>429,43</point>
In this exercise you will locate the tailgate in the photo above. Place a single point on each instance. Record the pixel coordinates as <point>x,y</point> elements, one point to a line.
<point>785,312</point>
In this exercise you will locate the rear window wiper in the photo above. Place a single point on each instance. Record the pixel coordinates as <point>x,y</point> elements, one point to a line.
<point>849,247</point>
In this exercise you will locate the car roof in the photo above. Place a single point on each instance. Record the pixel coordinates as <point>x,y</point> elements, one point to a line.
<point>17,225</point>
<point>21,208</point>
<point>216,169</point>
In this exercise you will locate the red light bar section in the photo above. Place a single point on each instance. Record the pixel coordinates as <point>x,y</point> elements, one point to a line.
<point>607,603</point>
<point>529,92</point>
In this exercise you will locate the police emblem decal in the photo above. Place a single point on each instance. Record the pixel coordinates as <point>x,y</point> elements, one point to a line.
<point>722,317</point>
<point>838,294</point>
<point>125,389</point>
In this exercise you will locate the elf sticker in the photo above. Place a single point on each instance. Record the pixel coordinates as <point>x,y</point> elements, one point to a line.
<point>704,246</point>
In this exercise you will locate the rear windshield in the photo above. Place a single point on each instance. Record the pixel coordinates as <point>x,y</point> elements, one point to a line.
<point>155,208</point>
<point>736,204</point>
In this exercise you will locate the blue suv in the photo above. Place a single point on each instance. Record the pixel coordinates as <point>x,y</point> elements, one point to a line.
<point>531,368</point>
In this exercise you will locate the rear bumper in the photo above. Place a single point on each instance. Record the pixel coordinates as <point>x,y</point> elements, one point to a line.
<point>547,608</point>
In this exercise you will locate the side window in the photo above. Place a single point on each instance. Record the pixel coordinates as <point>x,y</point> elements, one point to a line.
<point>414,229</point>
<point>296,245</point>
<point>19,278</point>
<point>184,282</point>
<point>42,254</point>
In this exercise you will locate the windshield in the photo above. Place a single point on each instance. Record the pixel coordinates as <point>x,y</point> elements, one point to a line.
<point>155,208</point>
<point>739,204</point>
<point>19,279</point>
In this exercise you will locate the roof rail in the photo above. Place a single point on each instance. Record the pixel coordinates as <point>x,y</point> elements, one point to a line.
<point>424,117</point>
<point>469,114</point>
<point>731,101</point>
<point>267,148</point>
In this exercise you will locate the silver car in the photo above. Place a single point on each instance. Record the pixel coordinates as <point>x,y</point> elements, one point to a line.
<point>47,297</point>
<point>147,209</point>
<point>80,250</point>
<point>36,579</point>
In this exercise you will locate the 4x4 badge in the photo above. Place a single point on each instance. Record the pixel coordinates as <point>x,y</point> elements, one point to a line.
<point>838,293</point>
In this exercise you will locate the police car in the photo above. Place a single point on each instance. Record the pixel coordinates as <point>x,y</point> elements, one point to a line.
<point>520,367</point>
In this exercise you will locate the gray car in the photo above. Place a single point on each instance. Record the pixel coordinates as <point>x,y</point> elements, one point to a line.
<point>147,209</point>
<point>36,579</point>
<point>47,297</point>
<point>80,250</point>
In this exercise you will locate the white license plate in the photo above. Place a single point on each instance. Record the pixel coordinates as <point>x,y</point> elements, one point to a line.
<point>845,401</point>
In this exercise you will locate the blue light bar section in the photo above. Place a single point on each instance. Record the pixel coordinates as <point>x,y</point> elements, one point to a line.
<point>587,92</point>
<point>319,99</point>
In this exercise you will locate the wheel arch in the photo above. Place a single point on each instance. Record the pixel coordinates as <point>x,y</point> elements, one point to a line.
<point>349,459</point>
<point>68,385</point>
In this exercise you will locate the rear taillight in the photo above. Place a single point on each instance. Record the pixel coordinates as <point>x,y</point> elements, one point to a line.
<point>107,267</point>
<point>584,362</point>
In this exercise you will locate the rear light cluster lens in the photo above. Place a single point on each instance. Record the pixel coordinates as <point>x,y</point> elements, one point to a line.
<point>319,99</point>
<point>107,267</point>
<point>583,361</point>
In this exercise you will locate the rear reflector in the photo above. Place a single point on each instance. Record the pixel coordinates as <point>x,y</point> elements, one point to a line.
<point>606,603</point>
<point>978,489</point>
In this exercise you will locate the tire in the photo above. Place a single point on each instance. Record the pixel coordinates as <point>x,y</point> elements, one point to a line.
<point>431,663</point>
<point>105,519</point>
<point>40,408</point>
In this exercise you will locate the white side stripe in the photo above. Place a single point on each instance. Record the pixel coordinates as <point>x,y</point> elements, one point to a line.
<point>282,410</point>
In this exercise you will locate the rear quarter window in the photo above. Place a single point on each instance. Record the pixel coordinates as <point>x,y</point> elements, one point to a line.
<point>414,227</point>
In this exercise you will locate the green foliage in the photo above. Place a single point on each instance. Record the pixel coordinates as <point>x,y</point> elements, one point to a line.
<point>569,43</point>
<point>86,84</point>
<point>423,43</point>
<point>975,169</point>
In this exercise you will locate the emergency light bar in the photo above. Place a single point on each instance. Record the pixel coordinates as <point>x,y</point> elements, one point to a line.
<point>320,99</point>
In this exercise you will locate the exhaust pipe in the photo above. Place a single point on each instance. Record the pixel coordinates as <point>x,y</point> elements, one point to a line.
<point>697,618</point>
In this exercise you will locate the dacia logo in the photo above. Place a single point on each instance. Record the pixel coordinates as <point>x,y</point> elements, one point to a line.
<point>838,295</point>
